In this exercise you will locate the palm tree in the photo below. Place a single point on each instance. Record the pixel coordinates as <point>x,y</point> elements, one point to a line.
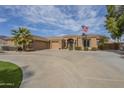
<point>22,37</point>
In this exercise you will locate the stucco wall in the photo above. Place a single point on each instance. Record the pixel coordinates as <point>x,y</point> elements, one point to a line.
<point>93,43</point>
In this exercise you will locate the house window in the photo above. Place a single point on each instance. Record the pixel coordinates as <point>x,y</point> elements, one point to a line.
<point>97,42</point>
<point>86,43</point>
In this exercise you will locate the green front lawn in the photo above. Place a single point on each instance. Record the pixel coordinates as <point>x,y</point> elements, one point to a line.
<point>10,75</point>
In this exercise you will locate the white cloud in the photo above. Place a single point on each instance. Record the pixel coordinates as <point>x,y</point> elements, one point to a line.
<point>61,34</point>
<point>3,20</point>
<point>30,28</point>
<point>52,15</point>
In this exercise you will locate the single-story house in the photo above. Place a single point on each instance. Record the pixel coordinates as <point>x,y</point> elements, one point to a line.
<point>60,42</point>
<point>90,41</point>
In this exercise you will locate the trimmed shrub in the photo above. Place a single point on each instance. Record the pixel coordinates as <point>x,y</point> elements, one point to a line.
<point>78,48</point>
<point>93,49</point>
<point>101,47</point>
<point>85,48</point>
<point>70,48</point>
<point>9,48</point>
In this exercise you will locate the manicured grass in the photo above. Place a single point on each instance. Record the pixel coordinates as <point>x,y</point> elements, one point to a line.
<point>10,75</point>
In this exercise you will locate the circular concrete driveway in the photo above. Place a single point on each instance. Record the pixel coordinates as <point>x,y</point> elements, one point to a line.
<point>54,68</point>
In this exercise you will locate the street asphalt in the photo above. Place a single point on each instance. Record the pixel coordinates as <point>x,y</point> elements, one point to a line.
<point>69,69</point>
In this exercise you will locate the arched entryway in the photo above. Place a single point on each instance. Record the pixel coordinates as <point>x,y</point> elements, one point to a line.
<point>70,43</point>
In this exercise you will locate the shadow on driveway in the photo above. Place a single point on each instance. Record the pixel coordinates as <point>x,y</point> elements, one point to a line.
<point>116,51</point>
<point>121,53</point>
<point>27,74</point>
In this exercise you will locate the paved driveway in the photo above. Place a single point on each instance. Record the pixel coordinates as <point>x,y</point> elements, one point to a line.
<point>54,68</point>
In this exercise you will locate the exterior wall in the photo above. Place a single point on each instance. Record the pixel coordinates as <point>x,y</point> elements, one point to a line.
<point>7,45</point>
<point>93,43</point>
<point>80,43</point>
<point>6,42</point>
<point>10,43</point>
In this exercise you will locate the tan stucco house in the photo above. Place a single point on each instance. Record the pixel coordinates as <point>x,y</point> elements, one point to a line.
<point>60,42</point>
<point>90,41</point>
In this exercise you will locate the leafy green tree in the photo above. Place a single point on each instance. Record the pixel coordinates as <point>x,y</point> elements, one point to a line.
<point>113,28</point>
<point>111,11</point>
<point>121,23</point>
<point>114,22</point>
<point>22,37</point>
<point>103,40</point>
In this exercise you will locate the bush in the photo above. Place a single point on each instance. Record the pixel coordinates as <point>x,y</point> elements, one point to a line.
<point>1,51</point>
<point>101,47</point>
<point>93,48</point>
<point>70,48</point>
<point>109,46</point>
<point>85,48</point>
<point>65,48</point>
<point>8,48</point>
<point>78,48</point>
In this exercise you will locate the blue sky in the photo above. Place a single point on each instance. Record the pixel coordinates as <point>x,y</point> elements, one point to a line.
<point>53,20</point>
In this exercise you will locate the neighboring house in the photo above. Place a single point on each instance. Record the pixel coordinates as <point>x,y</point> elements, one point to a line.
<point>1,43</point>
<point>6,43</point>
<point>38,43</point>
<point>3,40</point>
<point>62,42</point>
